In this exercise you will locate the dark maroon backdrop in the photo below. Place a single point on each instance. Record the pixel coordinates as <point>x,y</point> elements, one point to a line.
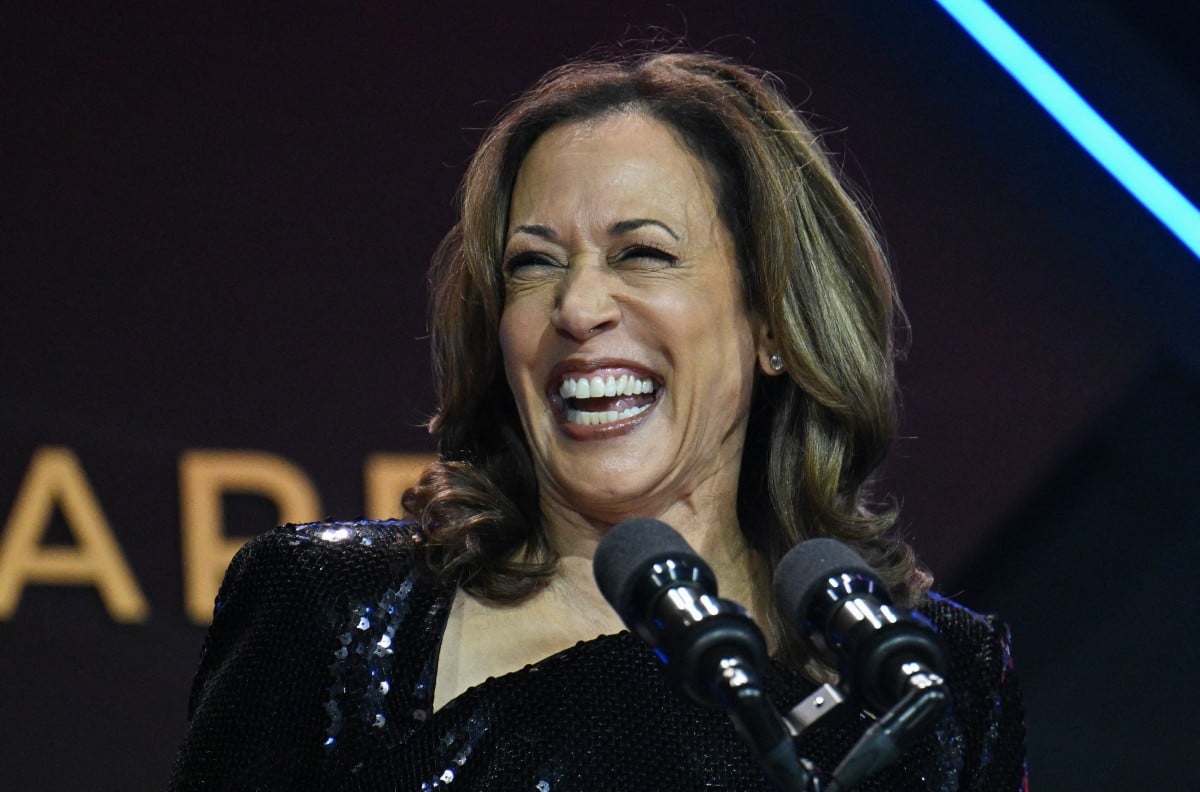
<point>216,222</point>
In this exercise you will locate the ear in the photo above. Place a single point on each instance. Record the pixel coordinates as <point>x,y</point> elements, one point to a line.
<point>770,359</point>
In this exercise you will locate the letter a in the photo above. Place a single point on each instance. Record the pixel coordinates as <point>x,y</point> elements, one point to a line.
<point>55,477</point>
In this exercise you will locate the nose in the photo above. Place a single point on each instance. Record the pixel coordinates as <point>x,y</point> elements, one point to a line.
<point>585,303</point>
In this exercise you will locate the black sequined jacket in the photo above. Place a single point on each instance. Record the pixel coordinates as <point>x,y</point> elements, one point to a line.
<point>319,668</point>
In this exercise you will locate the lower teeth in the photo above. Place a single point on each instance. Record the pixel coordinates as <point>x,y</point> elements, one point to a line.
<point>597,418</point>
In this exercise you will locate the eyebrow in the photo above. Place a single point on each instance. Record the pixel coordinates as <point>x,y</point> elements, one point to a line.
<point>616,229</point>
<point>544,232</point>
<point>625,226</point>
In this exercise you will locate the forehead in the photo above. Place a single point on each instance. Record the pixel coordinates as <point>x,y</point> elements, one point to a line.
<point>625,161</point>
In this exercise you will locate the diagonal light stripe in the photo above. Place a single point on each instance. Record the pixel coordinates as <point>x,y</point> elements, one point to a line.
<point>1078,118</point>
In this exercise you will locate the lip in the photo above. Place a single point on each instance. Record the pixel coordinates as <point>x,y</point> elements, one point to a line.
<point>599,367</point>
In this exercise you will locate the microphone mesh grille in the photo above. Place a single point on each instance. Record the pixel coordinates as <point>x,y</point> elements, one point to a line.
<point>628,548</point>
<point>803,572</point>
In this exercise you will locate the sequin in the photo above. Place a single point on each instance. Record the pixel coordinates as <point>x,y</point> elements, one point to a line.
<point>335,534</point>
<point>321,663</point>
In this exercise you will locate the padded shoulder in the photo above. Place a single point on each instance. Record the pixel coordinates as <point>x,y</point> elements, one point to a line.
<point>259,710</point>
<point>987,699</point>
<point>318,552</point>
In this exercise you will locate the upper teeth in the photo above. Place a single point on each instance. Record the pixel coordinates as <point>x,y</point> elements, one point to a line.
<point>595,387</point>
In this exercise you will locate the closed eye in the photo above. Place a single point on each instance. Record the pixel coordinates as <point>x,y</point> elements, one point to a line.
<point>640,252</point>
<point>527,260</point>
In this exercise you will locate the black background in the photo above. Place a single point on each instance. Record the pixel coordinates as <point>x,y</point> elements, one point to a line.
<point>216,222</point>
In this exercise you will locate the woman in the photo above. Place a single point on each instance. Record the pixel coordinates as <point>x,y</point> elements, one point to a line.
<point>659,301</point>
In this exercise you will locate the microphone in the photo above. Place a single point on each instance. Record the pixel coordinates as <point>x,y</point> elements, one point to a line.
<point>710,647</point>
<point>889,657</point>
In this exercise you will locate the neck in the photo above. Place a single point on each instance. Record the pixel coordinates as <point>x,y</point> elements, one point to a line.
<point>714,534</point>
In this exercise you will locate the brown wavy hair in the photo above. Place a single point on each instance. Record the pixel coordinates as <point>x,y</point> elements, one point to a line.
<point>810,263</point>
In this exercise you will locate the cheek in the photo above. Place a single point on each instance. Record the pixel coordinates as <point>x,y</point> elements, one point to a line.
<point>728,358</point>
<point>519,334</point>
<point>715,321</point>
<point>510,350</point>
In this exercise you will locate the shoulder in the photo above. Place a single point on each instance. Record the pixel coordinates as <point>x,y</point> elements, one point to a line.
<point>288,586</point>
<point>968,636</point>
<point>292,567</point>
<point>300,607</point>
<point>986,697</point>
<point>312,551</point>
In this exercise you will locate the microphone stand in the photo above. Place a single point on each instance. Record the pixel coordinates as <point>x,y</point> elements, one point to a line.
<point>925,700</point>
<point>744,699</point>
<point>716,654</point>
<point>889,737</point>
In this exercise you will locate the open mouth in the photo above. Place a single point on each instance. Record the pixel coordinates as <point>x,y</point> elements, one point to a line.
<point>596,399</point>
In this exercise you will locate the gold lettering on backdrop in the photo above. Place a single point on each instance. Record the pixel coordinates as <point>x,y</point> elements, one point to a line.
<point>55,478</point>
<point>204,475</point>
<point>385,477</point>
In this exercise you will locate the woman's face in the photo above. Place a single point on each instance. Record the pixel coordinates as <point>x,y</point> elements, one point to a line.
<point>626,338</point>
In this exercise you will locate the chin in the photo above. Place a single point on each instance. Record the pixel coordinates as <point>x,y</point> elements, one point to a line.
<point>612,499</point>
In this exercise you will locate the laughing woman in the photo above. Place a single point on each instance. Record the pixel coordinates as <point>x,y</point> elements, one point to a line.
<point>660,300</point>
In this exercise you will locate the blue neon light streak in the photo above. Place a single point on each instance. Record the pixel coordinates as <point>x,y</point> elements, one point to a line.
<point>1078,118</point>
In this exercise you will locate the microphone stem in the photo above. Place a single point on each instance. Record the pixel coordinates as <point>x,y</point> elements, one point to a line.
<point>744,700</point>
<point>894,733</point>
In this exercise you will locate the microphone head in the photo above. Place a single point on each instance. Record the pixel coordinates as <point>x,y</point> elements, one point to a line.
<point>805,571</point>
<point>626,554</point>
<point>872,644</point>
